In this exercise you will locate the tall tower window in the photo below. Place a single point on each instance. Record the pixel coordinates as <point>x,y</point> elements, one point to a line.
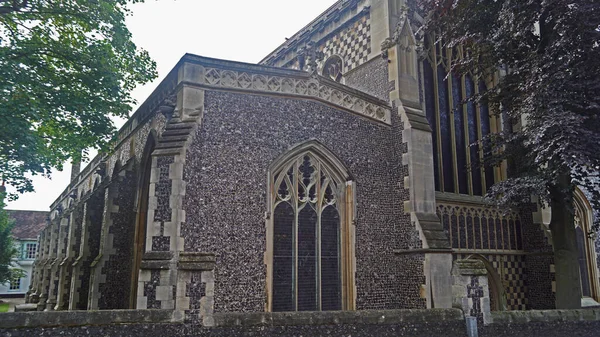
<point>458,124</point>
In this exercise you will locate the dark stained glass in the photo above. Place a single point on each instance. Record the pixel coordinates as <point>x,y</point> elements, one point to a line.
<point>485,130</point>
<point>453,230</point>
<point>331,297</point>
<point>307,259</point>
<point>519,234</point>
<point>505,237</point>
<point>471,240</point>
<point>459,136</point>
<point>473,137</point>
<point>513,237</point>
<point>484,244</point>
<point>583,263</point>
<point>429,91</point>
<point>283,258</point>
<point>446,137</point>
<point>460,230</point>
<point>306,240</point>
<point>492,231</point>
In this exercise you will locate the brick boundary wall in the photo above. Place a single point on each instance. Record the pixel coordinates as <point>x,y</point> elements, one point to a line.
<point>415,323</point>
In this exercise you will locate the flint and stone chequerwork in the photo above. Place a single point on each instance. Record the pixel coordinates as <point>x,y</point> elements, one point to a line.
<point>309,181</point>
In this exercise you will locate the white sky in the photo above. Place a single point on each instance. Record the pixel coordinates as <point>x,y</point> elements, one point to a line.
<point>239,30</point>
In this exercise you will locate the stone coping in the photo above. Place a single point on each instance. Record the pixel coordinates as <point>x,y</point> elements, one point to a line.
<point>17,320</point>
<point>219,74</point>
<point>367,317</point>
<point>14,320</point>
<point>521,317</point>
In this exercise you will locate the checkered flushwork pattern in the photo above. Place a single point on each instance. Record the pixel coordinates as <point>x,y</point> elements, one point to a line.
<point>512,271</point>
<point>352,44</point>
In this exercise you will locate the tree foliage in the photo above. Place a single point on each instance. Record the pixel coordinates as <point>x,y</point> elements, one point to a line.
<point>548,56</point>
<point>7,249</point>
<point>66,68</point>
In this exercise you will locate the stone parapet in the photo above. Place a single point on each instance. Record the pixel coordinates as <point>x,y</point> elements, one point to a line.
<point>219,74</point>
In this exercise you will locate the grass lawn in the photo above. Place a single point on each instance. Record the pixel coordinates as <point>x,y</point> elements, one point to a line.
<point>3,307</point>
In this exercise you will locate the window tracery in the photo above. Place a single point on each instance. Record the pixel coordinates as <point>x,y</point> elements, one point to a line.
<point>586,247</point>
<point>459,125</point>
<point>310,236</point>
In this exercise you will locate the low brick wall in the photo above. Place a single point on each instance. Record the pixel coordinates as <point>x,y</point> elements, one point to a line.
<point>546,323</point>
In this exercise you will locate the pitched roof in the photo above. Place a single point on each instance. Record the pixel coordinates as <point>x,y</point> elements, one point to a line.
<point>28,224</point>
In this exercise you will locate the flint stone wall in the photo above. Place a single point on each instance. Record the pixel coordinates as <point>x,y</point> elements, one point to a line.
<point>227,165</point>
<point>546,323</point>
<point>414,323</point>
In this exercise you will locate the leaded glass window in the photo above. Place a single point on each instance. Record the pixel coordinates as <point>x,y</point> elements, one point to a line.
<point>307,200</point>
<point>586,257</point>
<point>30,250</point>
<point>458,124</point>
<point>15,283</point>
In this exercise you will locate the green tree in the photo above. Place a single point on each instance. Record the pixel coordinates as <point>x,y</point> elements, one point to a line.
<point>66,68</point>
<point>548,55</point>
<point>7,249</point>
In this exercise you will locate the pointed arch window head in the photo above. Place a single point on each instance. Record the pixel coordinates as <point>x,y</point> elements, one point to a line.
<point>310,236</point>
<point>588,267</point>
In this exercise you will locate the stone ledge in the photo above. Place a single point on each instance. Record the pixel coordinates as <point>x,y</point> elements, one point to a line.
<point>14,320</point>
<point>407,316</point>
<point>520,317</point>
<point>158,255</point>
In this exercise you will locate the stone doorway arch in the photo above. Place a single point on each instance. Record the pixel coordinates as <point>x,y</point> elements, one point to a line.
<point>496,286</point>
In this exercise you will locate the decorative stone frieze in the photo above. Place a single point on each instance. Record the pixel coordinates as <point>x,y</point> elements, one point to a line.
<point>302,84</point>
<point>472,226</point>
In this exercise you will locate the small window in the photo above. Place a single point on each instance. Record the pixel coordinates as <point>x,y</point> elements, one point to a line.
<point>30,251</point>
<point>15,284</point>
<point>333,68</point>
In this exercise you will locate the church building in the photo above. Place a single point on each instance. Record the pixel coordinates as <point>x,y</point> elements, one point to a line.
<point>336,174</point>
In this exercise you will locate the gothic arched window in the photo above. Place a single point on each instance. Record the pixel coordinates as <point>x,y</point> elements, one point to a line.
<point>333,68</point>
<point>310,236</point>
<point>459,125</point>
<point>586,247</point>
